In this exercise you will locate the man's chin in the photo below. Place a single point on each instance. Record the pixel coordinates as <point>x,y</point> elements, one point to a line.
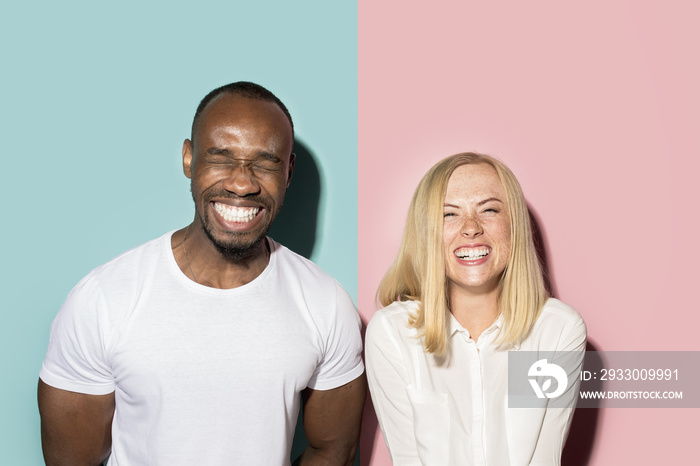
<point>238,247</point>
<point>239,251</point>
<point>235,245</point>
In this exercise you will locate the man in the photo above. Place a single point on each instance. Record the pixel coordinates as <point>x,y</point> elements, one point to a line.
<point>195,347</point>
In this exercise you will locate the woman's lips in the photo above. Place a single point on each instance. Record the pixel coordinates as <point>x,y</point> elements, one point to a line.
<point>472,255</point>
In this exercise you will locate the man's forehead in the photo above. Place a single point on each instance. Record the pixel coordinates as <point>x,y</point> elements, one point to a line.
<point>239,124</point>
<point>234,104</point>
<point>236,109</point>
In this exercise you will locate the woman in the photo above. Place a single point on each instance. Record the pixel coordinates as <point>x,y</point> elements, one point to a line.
<point>465,289</point>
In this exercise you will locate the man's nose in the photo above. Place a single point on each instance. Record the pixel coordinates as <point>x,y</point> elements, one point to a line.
<point>242,181</point>
<point>471,227</point>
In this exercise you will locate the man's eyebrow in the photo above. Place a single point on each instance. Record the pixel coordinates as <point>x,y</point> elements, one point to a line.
<point>268,156</point>
<point>218,151</point>
<point>260,155</point>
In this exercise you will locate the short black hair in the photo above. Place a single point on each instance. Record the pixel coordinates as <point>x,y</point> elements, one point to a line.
<point>243,89</point>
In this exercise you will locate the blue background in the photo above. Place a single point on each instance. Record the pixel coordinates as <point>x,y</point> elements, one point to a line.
<point>95,102</point>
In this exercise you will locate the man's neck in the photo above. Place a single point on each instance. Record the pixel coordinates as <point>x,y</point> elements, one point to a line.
<point>200,260</point>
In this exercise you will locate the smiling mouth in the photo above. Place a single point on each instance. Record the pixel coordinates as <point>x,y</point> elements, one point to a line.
<point>236,214</point>
<point>472,253</point>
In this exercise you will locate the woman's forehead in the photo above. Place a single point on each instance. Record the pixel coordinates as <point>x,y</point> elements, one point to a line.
<point>475,180</point>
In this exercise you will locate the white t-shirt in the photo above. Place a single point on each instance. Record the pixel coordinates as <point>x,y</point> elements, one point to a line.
<point>453,410</point>
<point>203,375</point>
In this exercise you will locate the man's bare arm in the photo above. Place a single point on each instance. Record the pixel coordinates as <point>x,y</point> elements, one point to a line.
<point>332,420</point>
<point>76,429</point>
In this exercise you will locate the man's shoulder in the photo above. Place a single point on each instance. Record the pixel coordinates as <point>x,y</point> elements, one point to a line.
<point>299,265</point>
<point>303,279</point>
<point>129,262</point>
<point>107,293</point>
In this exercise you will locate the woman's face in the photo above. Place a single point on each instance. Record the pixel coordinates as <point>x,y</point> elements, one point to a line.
<point>476,231</point>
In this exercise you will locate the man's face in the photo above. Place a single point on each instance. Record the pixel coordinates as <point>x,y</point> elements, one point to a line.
<point>240,166</point>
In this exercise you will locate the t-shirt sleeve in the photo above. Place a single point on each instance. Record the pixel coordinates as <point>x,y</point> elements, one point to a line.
<point>76,359</point>
<point>342,357</point>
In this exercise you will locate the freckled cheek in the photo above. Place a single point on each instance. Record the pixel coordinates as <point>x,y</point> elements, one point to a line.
<point>449,233</point>
<point>503,233</point>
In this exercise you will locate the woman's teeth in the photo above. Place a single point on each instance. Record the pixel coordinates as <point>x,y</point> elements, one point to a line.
<point>472,253</point>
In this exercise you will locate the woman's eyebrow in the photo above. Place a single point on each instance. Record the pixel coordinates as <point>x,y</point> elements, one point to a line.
<point>480,203</point>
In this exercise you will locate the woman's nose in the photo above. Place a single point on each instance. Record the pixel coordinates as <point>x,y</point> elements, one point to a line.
<point>471,227</point>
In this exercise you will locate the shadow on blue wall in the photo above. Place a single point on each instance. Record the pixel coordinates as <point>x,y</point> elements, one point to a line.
<point>295,227</point>
<point>296,224</point>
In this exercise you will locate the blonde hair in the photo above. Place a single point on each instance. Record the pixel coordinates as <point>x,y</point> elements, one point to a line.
<point>418,273</point>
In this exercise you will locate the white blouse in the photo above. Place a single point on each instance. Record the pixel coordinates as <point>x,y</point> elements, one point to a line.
<point>453,409</point>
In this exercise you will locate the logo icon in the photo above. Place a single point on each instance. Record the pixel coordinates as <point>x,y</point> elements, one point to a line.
<point>551,371</point>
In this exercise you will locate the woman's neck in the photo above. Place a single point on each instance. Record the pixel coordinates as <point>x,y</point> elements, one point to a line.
<point>474,312</point>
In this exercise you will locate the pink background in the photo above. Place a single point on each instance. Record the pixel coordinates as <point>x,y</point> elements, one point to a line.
<point>595,106</point>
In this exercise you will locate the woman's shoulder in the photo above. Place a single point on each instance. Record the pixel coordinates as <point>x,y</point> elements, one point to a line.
<point>558,324</point>
<point>396,312</point>
<point>392,318</point>
<point>556,312</point>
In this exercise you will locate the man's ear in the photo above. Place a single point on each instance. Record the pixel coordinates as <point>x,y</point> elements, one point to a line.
<point>292,158</point>
<point>187,155</point>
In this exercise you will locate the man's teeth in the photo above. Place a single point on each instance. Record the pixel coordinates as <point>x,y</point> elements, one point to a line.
<point>236,214</point>
<point>471,254</point>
